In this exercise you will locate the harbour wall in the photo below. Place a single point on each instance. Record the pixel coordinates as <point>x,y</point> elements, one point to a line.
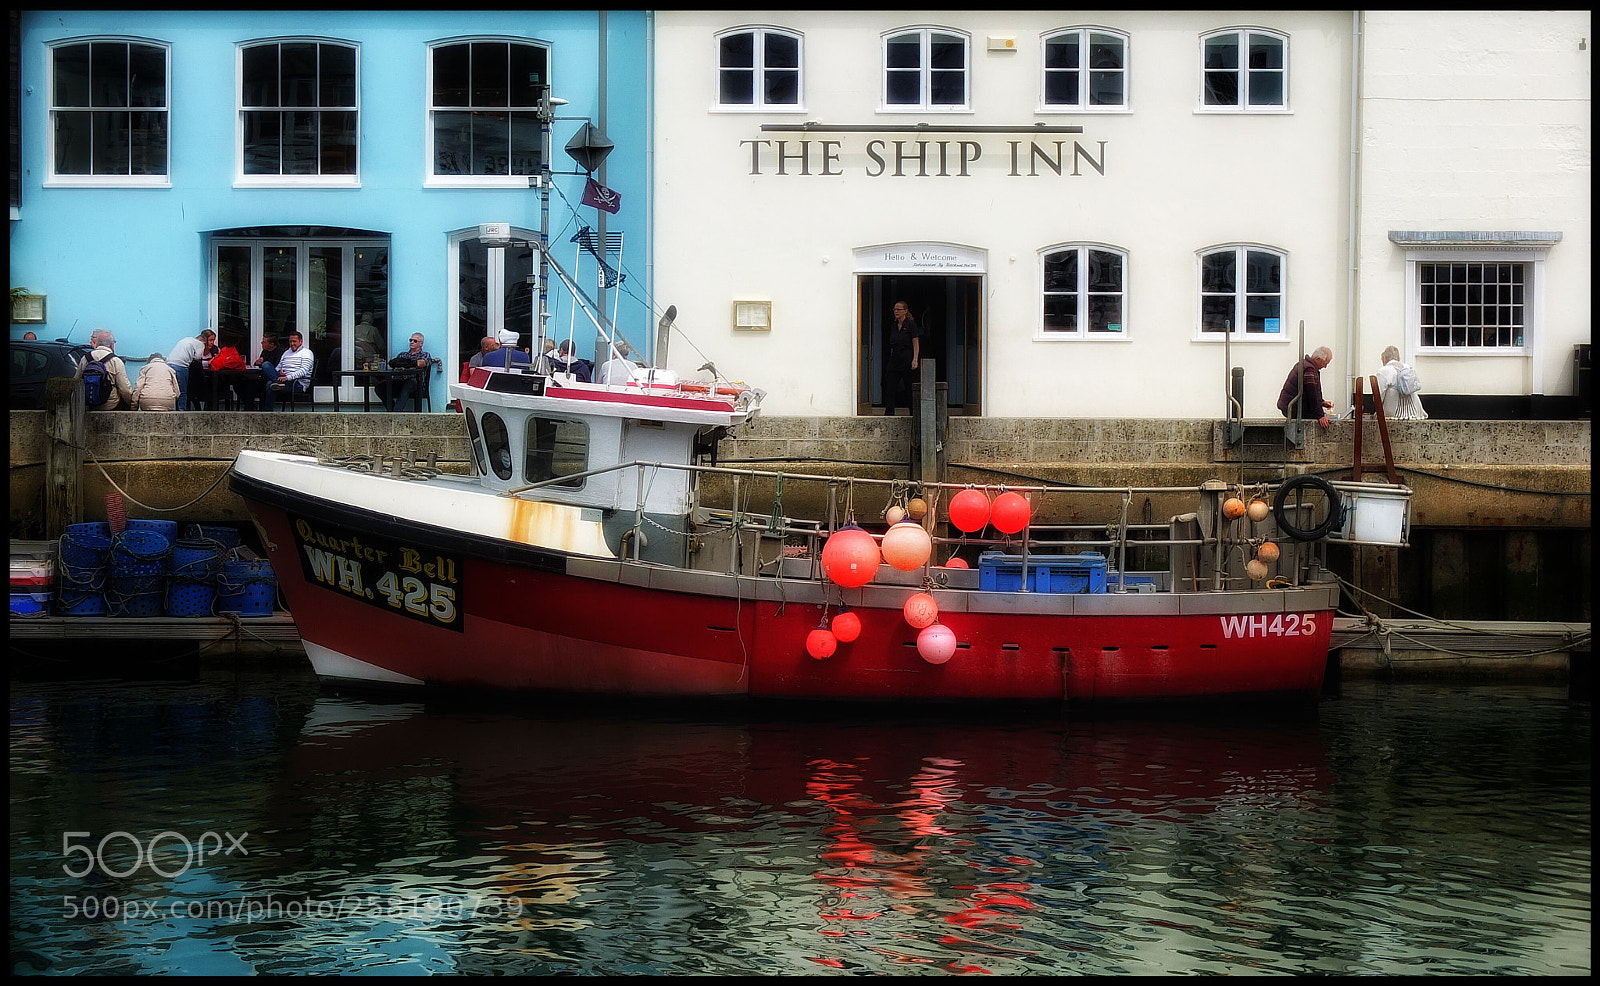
<point>1500,512</point>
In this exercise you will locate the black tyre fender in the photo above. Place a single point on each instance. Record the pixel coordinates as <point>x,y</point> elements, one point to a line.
<point>1335,507</point>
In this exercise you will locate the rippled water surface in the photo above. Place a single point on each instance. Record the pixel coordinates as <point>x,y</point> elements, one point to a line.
<point>246,823</point>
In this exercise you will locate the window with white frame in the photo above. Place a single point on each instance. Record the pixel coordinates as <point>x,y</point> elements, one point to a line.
<point>1241,290</point>
<point>925,69</point>
<point>483,107</point>
<point>1085,69</point>
<point>109,105</point>
<point>1472,305</point>
<point>298,110</point>
<point>1244,70</point>
<point>1085,292</point>
<point>759,68</point>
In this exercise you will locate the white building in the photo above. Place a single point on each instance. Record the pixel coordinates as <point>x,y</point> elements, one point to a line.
<point>1080,207</point>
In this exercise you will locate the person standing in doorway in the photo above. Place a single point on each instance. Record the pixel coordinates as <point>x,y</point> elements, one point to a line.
<point>902,356</point>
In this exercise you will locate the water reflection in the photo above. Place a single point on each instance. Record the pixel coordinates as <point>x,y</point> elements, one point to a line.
<point>1423,830</point>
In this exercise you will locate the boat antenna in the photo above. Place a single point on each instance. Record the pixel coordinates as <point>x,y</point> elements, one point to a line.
<point>547,116</point>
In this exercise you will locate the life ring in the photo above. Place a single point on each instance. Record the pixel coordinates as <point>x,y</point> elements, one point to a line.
<point>1335,507</point>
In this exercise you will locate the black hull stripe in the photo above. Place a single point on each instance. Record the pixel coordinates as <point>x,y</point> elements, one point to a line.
<point>388,525</point>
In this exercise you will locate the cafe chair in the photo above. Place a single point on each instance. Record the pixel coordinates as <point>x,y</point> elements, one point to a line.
<point>287,395</point>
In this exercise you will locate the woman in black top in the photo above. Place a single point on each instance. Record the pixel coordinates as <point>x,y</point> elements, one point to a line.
<point>901,360</point>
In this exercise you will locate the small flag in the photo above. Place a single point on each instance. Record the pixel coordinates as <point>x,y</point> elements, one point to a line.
<point>601,197</point>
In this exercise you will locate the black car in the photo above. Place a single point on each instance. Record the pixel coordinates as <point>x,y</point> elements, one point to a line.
<point>35,361</point>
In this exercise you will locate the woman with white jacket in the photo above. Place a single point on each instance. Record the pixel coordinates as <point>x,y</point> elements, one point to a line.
<point>1399,388</point>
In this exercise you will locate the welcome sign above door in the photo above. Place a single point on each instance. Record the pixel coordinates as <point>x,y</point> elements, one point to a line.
<point>921,258</point>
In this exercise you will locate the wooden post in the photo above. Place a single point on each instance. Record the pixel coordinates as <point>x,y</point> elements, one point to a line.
<point>65,418</point>
<point>927,455</point>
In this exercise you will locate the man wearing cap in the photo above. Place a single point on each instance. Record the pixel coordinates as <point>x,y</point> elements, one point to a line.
<point>507,354</point>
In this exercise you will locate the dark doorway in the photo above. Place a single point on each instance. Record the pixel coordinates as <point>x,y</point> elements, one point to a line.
<point>948,308</point>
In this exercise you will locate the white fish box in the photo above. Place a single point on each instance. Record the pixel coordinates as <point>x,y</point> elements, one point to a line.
<point>1375,516</point>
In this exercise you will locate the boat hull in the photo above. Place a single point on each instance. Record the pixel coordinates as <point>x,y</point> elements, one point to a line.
<point>382,601</point>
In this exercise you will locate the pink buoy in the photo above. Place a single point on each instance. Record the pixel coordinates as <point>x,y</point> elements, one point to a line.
<point>969,510</point>
<point>1009,513</point>
<point>936,643</point>
<point>907,546</point>
<point>921,610</point>
<point>821,643</point>
<point>850,557</point>
<point>846,626</point>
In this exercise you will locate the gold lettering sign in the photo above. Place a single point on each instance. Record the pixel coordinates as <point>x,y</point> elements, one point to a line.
<point>410,581</point>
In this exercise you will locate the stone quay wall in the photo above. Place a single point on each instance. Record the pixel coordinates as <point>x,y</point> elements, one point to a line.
<point>1522,474</point>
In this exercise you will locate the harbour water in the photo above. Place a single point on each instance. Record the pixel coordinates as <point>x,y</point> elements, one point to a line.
<point>249,822</point>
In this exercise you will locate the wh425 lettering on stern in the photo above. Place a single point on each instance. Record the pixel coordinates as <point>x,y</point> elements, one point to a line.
<point>410,580</point>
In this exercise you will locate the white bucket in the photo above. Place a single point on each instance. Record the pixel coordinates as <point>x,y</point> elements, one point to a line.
<point>1375,516</point>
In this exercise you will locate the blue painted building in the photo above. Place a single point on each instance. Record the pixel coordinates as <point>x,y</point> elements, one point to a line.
<point>324,172</point>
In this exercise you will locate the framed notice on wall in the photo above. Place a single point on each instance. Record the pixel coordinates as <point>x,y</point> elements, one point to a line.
<point>27,308</point>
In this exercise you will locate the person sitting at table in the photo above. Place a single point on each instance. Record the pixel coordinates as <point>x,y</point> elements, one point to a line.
<point>230,386</point>
<point>568,362</point>
<point>267,363</point>
<point>397,390</point>
<point>294,367</point>
<point>507,354</point>
<point>486,345</point>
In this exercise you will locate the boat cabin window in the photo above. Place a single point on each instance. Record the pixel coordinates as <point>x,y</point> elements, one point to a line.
<point>475,439</point>
<point>498,444</point>
<point>556,448</point>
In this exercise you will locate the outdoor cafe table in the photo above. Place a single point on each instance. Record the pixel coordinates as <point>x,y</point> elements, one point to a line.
<point>246,383</point>
<point>374,378</point>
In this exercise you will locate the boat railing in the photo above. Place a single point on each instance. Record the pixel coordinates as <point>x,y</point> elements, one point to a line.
<point>1114,538</point>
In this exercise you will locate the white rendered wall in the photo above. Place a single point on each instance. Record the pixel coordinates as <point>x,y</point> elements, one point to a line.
<point>1176,181</point>
<point>1477,121</point>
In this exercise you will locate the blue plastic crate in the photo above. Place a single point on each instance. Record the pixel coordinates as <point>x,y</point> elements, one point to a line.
<point>1000,572</point>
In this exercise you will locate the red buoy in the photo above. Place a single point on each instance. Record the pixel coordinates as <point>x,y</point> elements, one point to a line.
<point>846,626</point>
<point>954,562</point>
<point>821,643</point>
<point>969,510</point>
<point>850,557</point>
<point>1009,513</point>
<point>921,610</point>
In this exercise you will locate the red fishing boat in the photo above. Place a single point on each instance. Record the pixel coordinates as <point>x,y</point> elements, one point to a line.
<point>597,550</point>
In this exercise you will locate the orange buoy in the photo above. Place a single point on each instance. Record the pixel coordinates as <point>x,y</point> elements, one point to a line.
<point>1009,513</point>
<point>821,643</point>
<point>894,515</point>
<point>921,610</point>
<point>1233,508</point>
<point>1268,552</point>
<point>1258,510</point>
<point>907,546</point>
<point>936,643</point>
<point>969,510</point>
<point>1256,569</point>
<point>850,557</point>
<point>917,508</point>
<point>954,562</point>
<point>846,626</point>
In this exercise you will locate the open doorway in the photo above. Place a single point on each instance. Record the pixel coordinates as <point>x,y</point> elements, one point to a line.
<point>949,310</point>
